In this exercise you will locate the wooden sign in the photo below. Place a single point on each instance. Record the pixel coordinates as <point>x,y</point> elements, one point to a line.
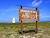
<point>28,15</point>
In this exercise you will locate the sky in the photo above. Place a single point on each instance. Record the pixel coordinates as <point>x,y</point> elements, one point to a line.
<point>9,9</point>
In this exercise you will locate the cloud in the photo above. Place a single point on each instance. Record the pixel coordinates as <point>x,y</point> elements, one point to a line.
<point>35,3</point>
<point>45,16</point>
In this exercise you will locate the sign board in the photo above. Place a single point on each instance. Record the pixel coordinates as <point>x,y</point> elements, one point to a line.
<point>28,15</point>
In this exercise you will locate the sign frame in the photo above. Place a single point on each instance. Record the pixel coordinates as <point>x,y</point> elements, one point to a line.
<point>21,24</point>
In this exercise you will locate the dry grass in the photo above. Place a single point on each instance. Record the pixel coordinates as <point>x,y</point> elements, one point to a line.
<point>7,29</point>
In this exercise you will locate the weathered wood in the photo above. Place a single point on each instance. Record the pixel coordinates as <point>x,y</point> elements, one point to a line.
<point>21,27</point>
<point>28,15</point>
<point>21,24</point>
<point>36,26</point>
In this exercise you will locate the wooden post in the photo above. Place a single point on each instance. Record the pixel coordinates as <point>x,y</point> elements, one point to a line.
<point>21,27</point>
<point>36,25</point>
<point>21,24</point>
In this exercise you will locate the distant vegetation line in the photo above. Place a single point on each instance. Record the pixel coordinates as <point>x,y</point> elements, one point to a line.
<point>24,22</point>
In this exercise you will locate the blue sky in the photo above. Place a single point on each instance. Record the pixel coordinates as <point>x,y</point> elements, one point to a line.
<point>8,9</point>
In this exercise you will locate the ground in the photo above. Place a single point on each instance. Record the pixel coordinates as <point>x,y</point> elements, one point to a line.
<point>9,30</point>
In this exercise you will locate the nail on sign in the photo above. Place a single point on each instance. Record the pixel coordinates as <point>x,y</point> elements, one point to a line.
<point>28,15</point>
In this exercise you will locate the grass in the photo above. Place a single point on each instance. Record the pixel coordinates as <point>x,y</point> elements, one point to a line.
<point>9,28</point>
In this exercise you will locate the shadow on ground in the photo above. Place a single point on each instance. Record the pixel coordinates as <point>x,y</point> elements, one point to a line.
<point>28,31</point>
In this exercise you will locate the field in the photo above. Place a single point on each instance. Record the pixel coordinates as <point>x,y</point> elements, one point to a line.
<point>9,30</point>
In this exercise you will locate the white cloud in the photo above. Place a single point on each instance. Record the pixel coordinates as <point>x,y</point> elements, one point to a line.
<point>35,3</point>
<point>45,16</point>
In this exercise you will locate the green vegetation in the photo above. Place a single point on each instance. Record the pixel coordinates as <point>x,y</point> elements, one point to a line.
<point>9,28</point>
